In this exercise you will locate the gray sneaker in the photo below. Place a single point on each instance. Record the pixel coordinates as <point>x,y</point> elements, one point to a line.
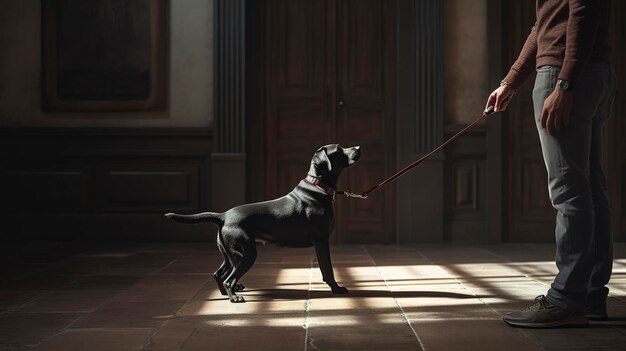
<point>543,314</point>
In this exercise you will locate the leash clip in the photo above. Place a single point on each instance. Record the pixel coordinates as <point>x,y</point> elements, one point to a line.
<point>358,196</point>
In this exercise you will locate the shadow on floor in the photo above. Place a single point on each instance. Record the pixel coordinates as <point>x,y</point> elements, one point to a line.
<point>617,322</point>
<point>295,294</point>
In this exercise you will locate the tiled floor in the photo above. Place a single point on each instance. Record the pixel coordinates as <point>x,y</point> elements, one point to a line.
<point>161,297</point>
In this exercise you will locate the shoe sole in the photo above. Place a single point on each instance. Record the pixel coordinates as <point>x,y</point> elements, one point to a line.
<point>598,318</point>
<point>578,321</point>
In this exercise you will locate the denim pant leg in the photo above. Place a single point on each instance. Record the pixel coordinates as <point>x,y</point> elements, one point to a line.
<point>603,239</point>
<point>567,156</point>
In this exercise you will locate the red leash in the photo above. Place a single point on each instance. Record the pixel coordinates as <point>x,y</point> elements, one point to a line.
<point>364,195</point>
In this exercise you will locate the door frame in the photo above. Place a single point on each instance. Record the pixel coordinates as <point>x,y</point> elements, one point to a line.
<point>496,193</point>
<point>255,101</point>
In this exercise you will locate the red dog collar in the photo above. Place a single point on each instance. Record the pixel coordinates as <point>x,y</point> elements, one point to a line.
<point>315,181</point>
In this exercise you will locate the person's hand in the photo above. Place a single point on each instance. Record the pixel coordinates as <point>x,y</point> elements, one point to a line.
<point>556,110</point>
<point>500,98</point>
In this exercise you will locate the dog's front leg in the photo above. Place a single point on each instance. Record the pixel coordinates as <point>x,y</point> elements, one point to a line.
<point>322,249</point>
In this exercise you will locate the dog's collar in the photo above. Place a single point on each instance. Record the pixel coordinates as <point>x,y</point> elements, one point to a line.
<point>317,182</point>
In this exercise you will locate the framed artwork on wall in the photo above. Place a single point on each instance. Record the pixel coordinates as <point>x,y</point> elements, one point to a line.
<point>104,55</point>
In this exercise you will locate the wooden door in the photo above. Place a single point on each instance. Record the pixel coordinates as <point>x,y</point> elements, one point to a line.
<point>531,217</point>
<point>329,78</point>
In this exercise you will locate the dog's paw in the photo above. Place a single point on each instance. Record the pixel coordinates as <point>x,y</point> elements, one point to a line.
<point>339,290</point>
<point>237,299</point>
<point>239,287</point>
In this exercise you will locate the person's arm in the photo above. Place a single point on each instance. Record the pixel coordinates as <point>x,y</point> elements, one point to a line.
<point>519,72</point>
<point>582,25</point>
<point>524,66</point>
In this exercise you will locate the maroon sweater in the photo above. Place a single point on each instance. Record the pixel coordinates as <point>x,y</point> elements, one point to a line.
<point>568,34</point>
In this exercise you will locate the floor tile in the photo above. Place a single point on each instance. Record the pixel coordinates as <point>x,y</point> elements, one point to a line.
<point>163,287</point>
<point>260,332</point>
<point>141,314</point>
<point>357,341</point>
<point>67,301</point>
<point>31,328</point>
<point>471,334</point>
<point>352,304</point>
<point>15,298</point>
<point>103,282</point>
<point>440,308</point>
<point>96,340</point>
<point>84,265</point>
<point>220,305</point>
<point>173,334</point>
<point>40,281</point>
<point>598,335</point>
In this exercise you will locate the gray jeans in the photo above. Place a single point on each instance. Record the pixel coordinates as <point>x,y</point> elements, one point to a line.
<point>577,187</point>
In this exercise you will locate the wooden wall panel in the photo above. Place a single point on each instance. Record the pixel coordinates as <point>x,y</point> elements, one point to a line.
<point>300,55</point>
<point>149,187</point>
<point>293,168</point>
<point>365,115</point>
<point>363,218</point>
<point>529,219</point>
<point>95,184</point>
<point>299,126</point>
<point>53,189</point>
<point>296,95</point>
<point>465,184</point>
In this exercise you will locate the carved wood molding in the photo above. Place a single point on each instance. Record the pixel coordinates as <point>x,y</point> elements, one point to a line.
<point>230,75</point>
<point>429,74</point>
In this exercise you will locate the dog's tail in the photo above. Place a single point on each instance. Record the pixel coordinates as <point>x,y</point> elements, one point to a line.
<point>211,217</point>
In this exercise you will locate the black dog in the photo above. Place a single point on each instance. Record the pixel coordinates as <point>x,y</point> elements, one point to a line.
<point>302,218</point>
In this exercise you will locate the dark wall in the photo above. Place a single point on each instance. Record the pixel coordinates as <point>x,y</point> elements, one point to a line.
<point>103,184</point>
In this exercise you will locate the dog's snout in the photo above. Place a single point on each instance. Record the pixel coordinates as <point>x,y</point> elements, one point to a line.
<point>354,153</point>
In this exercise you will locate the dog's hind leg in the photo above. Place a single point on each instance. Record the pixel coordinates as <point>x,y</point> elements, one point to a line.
<point>220,274</point>
<point>224,270</point>
<point>242,258</point>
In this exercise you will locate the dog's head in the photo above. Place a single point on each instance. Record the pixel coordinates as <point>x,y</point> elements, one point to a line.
<point>329,160</point>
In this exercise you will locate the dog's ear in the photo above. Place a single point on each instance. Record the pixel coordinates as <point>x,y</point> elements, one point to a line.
<point>324,157</point>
